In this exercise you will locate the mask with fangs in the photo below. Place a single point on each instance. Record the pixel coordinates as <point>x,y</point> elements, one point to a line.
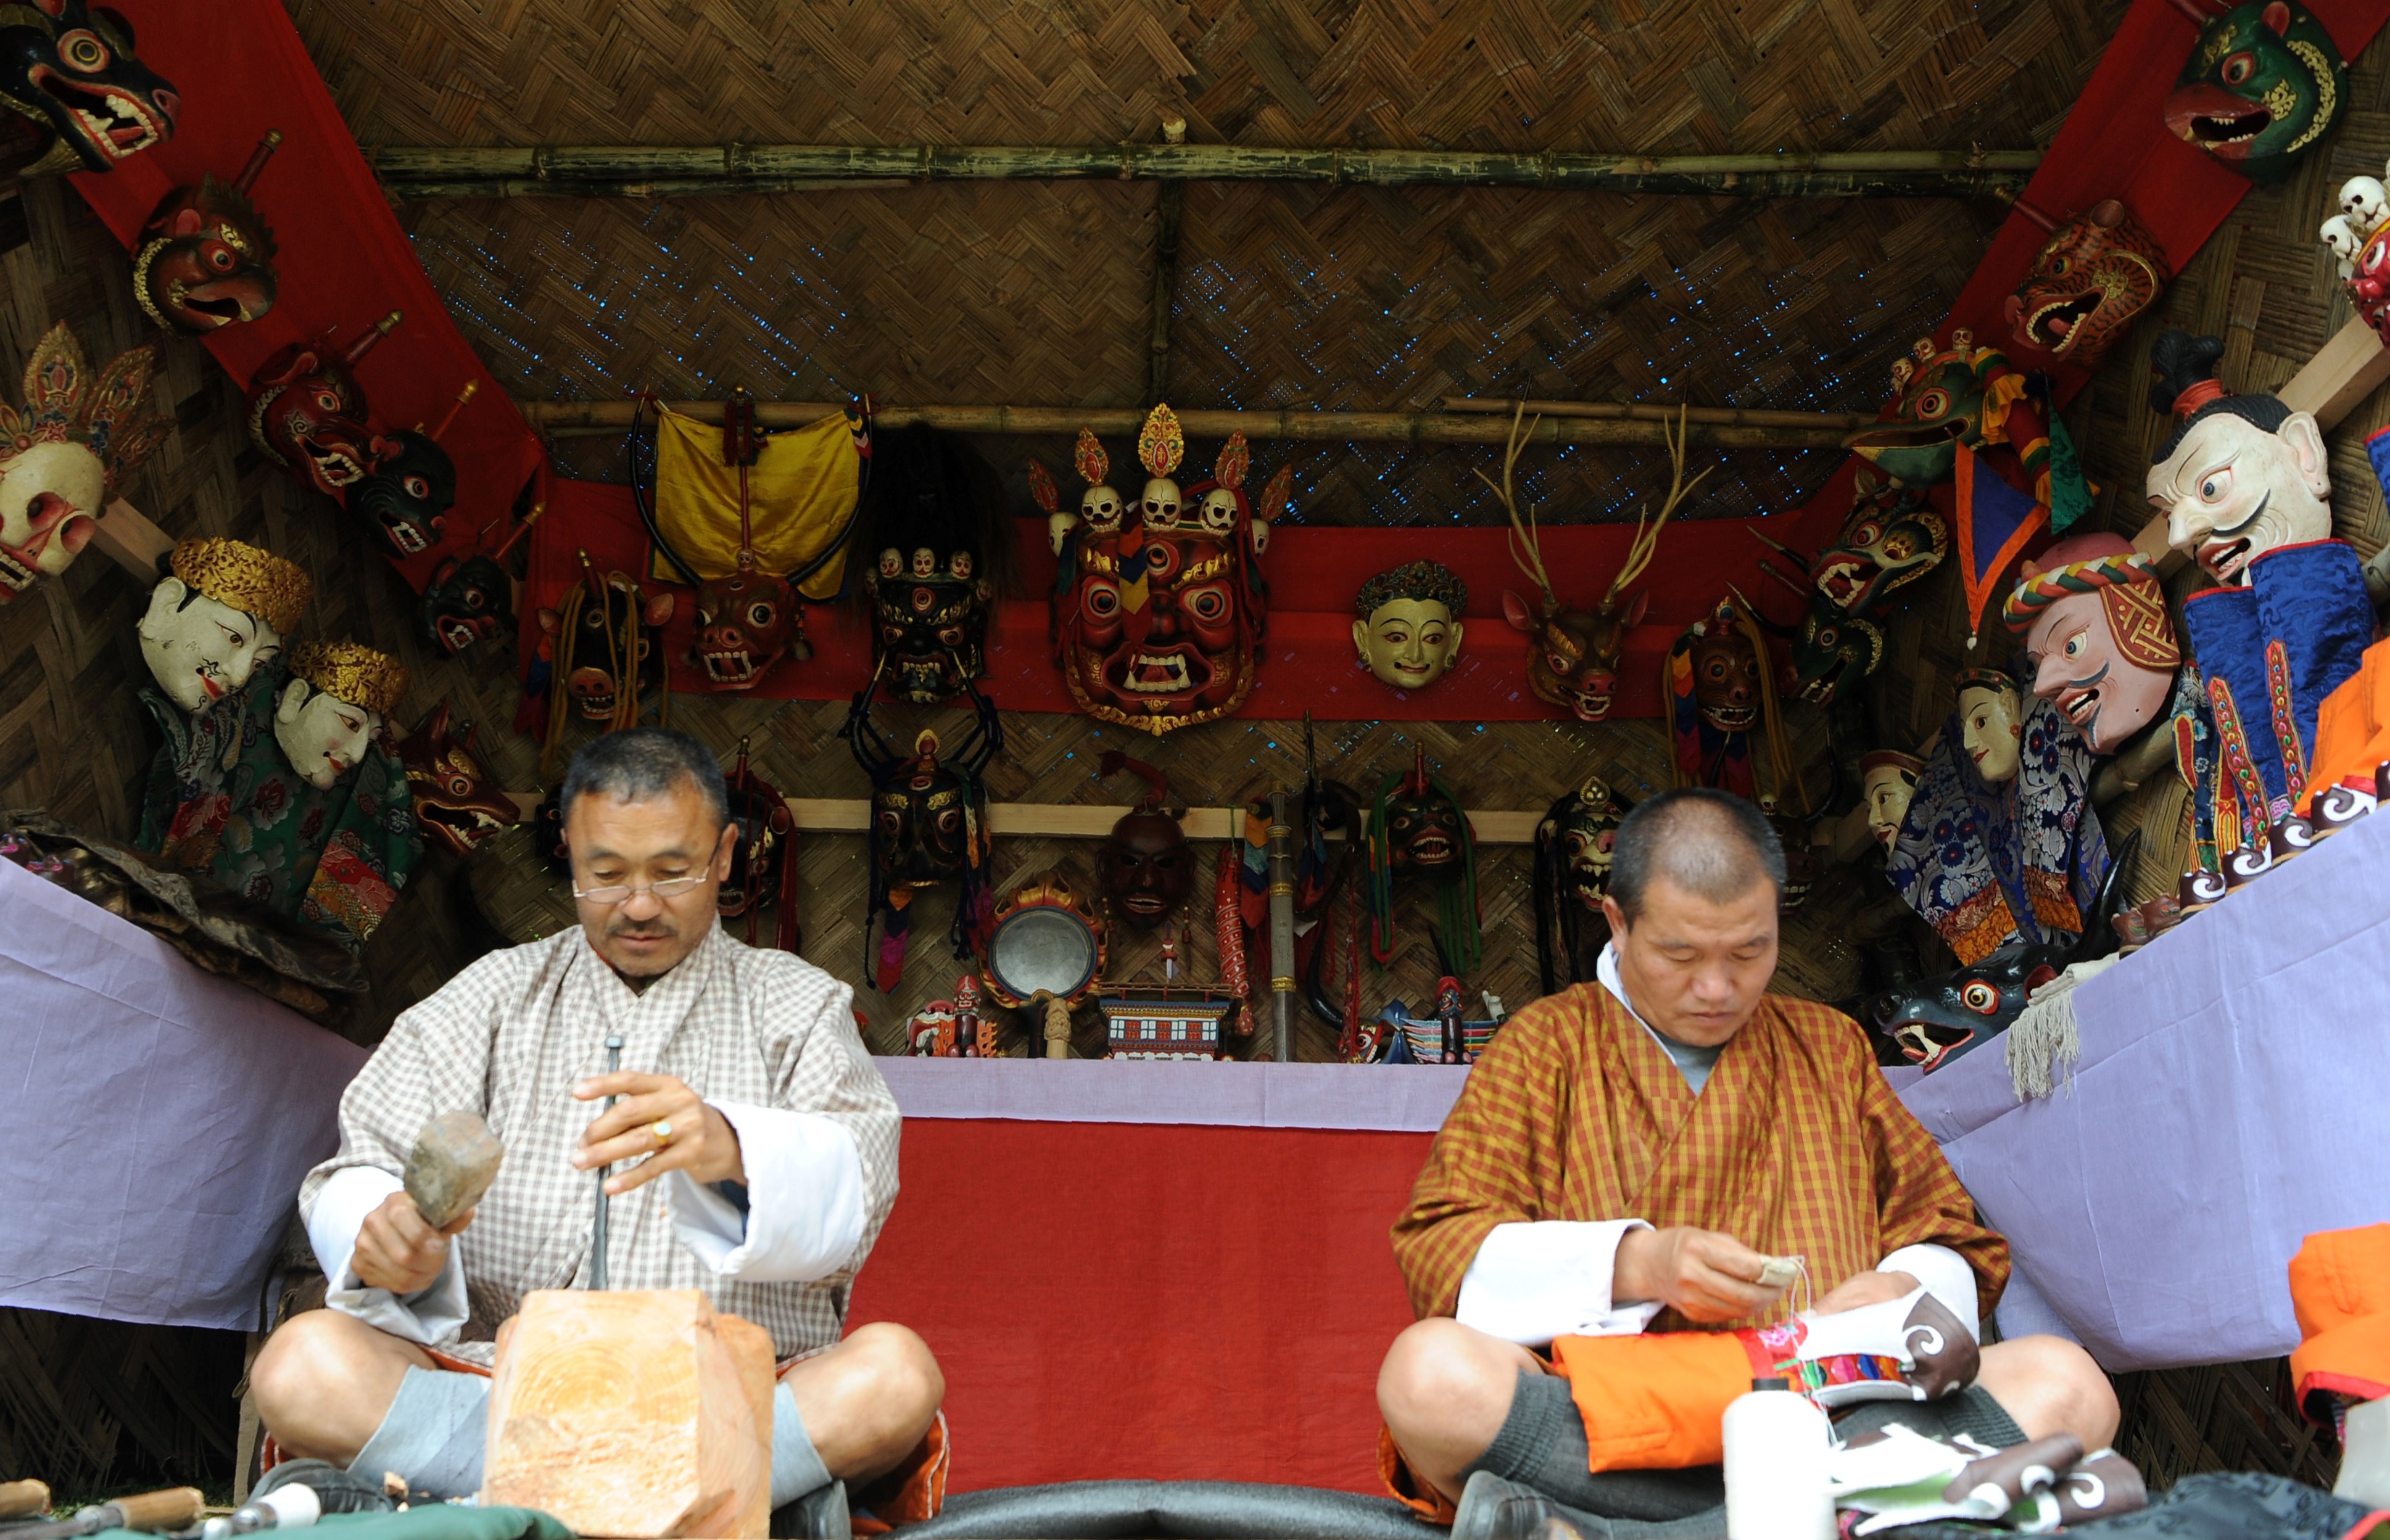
<point>745,623</point>
<point>82,102</point>
<point>308,414</point>
<point>936,538</point>
<point>467,603</point>
<point>1159,626</point>
<point>455,800</point>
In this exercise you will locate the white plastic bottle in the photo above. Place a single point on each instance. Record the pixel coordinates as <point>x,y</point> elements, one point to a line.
<point>1776,1444</point>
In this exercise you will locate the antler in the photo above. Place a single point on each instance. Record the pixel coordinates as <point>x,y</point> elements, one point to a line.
<point>1647,540</point>
<point>1522,538</point>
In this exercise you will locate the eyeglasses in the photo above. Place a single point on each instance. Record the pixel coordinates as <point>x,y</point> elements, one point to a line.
<point>670,887</point>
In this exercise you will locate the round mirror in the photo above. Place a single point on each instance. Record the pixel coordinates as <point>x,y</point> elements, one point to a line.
<point>1043,951</point>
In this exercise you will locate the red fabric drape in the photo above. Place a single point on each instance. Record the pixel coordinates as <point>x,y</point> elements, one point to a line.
<point>344,264</point>
<point>1180,1304</point>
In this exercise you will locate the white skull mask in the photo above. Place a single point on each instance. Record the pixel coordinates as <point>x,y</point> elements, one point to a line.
<point>1260,529</point>
<point>1100,506</point>
<point>200,650</point>
<point>2341,240</point>
<point>1059,525</point>
<point>2362,199</point>
<point>321,735</point>
<point>1161,505</point>
<point>49,495</point>
<point>1218,512</point>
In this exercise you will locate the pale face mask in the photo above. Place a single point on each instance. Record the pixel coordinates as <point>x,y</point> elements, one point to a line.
<point>1991,732</point>
<point>202,650</point>
<point>1886,793</point>
<point>2079,668</point>
<point>1409,643</point>
<point>2231,492</point>
<point>322,735</point>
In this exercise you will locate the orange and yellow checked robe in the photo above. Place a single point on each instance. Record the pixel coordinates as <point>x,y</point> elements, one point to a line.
<point>1797,1145</point>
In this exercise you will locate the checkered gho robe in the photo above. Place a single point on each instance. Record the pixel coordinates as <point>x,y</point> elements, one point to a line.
<point>510,1036</point>
<point>1797,1145</point>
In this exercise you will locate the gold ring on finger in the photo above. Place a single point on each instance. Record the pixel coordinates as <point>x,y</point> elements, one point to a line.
<point>662,1130</point>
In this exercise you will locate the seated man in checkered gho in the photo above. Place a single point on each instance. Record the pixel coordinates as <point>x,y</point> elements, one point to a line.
<point>743,1086</point>
<point>1618,1220</point>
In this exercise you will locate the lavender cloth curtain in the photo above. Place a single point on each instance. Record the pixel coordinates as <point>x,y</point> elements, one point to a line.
<point>2234,1098</point>
<point>162,1119</point>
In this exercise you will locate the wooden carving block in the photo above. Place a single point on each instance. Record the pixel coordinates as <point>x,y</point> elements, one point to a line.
<point>454,1160</point>
<point>632,1414</point>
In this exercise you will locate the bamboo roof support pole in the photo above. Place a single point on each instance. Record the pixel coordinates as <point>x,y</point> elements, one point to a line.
<point>1824,430</point>
<point>674,170</point>
<point>1166,268</point>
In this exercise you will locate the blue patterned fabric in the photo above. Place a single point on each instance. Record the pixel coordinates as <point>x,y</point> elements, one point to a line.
<point>1988,865</point>
<point>2312,596</point>
<point>2272,650</point>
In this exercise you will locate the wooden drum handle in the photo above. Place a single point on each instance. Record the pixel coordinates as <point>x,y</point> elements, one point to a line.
<point>1058,1028</point>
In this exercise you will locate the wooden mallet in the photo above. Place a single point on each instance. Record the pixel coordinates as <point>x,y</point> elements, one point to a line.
<point>454,1160</point>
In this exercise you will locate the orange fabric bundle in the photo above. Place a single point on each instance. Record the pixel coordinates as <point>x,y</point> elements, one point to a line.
<point>1656,1401</point>
<point>2340,1288</point>
<point>2353,727</point>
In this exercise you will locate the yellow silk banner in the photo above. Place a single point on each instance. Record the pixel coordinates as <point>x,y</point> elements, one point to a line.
<point>801,491</point>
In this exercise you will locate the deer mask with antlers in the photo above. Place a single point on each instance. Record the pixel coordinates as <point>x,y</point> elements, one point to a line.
<point>1573,654</point>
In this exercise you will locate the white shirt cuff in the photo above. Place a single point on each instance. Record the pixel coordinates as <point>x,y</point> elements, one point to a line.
<point>1531,1282</point>
<point>1944,1274</point>
<point>430,1315</point>
<point>805,1207</point>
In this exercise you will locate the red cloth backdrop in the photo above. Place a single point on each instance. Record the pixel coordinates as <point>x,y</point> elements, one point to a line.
<point>345,263</point>
<point>242,70</point>
<point>1112,1301</point>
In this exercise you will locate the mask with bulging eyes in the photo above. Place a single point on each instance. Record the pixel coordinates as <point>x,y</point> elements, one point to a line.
<point>606,642</point>
<point>205,259</point>
<point>1584,827</point>
<point>80,99</point>
<point>745,623</point>
<point>930,619</point>
<point>308,414</point>
<point>1160,626</point>
<point>468,603</point>
<point>405,497</point>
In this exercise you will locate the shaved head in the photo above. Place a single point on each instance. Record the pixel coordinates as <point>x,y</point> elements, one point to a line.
<point>1712,844</point>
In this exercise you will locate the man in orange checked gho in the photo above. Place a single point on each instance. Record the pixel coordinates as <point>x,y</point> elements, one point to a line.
<point>1619,1225</point>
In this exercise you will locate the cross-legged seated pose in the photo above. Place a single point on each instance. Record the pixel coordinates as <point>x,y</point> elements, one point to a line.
<point>754,1148</point>
<point>1589,1246</point>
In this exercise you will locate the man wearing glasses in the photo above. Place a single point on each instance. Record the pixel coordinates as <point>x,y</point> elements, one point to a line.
<point>742,1084</point>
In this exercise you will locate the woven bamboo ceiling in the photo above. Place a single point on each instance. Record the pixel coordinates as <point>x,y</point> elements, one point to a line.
<point>1359,297</point>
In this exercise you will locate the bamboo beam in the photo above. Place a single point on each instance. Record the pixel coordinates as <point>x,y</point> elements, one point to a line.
<point>1165,270</point>
<point>576,418</point>
<point>672,171</point>
<point>1733,416</point>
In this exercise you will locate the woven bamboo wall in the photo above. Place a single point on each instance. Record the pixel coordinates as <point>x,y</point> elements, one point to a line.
<point>1373,298</point>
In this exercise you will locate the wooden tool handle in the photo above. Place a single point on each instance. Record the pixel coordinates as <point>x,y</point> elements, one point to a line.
<point>1058,1028</point>
<point>20,1498</point>
<point>177,1508</point>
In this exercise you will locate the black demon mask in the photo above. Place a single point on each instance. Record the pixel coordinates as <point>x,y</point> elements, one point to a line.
<point>67,70</point>
<point>933,530</point>
<point>467,603</point>
<point>928,826</point>
<point>405,497</point>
